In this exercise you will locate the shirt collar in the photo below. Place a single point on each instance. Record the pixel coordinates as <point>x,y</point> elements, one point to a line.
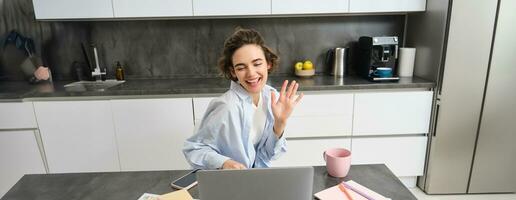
<point>243,94</point>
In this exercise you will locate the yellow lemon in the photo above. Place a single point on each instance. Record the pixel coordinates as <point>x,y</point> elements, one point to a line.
<point>307,65</point>
<point>299,66</point>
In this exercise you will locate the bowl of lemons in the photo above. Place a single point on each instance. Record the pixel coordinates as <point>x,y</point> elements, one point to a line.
<point>304,69</point>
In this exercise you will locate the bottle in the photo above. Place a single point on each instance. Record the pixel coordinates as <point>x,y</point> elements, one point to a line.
<point>119,71</point>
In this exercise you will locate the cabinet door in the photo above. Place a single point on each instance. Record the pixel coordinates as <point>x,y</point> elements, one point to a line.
<point>200,105</point>
<point>72,9</point>
<point>320,115</point>
<point>152,8</point>
<point>151,132</point>
<point>78,136</point>
<point>308,6</point>
<point>17,115</point>
<point>19,155</point>
<point>405,156</point>
<point>231,7</point>
<point>392,113</point>
<point>309,152</point>
<point>387,5</point>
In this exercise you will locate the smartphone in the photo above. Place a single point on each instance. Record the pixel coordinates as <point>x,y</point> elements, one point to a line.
<point>185,182</point>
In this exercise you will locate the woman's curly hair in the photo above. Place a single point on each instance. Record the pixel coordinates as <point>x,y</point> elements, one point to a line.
<point>238,39</point>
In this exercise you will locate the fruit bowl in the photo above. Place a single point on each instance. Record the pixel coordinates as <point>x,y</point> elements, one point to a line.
<point>305,72</point>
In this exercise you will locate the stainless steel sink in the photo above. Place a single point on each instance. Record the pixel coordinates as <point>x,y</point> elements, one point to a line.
<point>91,85</point>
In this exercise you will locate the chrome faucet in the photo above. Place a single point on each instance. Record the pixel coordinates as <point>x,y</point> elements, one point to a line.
<point>97,72</point>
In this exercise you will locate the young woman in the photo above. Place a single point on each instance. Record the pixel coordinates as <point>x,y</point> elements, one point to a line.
<point>244,127</point>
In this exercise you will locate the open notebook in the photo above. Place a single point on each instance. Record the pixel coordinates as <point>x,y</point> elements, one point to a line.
<point>354,191</point>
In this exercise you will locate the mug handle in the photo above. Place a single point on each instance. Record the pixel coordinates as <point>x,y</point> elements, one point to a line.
<point>324,155</point>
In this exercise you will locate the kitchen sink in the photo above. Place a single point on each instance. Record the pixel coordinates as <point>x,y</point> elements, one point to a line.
<point>92,85</point>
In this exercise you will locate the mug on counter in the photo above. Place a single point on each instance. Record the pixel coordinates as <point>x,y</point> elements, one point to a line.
<point>383,72</point>
<point>338,161</point>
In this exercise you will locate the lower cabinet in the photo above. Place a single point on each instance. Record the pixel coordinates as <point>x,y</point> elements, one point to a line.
<point>404,156</point>
<point>78,136</point>
<point>151,132</point>
<point>308,152</point>
<point>19,155</point>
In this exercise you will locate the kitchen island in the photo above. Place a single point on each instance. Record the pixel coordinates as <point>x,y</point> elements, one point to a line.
<point>131,185</point>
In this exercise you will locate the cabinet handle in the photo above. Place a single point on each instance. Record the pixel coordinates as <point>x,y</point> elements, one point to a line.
<point>436,119</point>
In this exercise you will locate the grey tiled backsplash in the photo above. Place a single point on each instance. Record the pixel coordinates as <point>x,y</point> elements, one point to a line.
<point>185,47</point>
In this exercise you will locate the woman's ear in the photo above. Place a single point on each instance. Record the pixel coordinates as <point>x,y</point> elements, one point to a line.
<point>232,71</point>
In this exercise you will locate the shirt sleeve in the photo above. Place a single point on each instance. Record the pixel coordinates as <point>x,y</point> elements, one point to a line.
<point>272,148</point>
<point>202,149</point>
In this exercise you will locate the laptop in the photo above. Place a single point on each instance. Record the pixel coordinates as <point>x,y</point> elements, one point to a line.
<point>288,183</point>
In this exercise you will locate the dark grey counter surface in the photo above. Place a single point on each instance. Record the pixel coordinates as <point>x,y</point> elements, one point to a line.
<point>190,87</point>
<point>131,185</point>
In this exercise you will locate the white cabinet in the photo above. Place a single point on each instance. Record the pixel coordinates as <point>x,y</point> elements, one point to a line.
<point>72,9</point>
<point>151,132</point>
<point>231,7</point>
<point>309,7</point>
<point>17,115</point>
<point>405,156</point>
<point>78,136</point>
<point>388,113</point>
<point>19,155</point>
<point>152,8</point>
<point>200,105</point>
<point>357,6</point>
<point>321,115</point>
<point>309,152</point>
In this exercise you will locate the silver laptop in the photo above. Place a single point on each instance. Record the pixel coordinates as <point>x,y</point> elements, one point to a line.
<point>290,183</point>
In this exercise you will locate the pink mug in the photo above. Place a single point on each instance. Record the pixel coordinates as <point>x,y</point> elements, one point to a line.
<point>338,161</point>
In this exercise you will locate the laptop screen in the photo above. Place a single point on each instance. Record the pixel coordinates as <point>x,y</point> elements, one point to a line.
<point>290,183</point>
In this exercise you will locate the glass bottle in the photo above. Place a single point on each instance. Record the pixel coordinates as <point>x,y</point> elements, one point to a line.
<point>119,71</point>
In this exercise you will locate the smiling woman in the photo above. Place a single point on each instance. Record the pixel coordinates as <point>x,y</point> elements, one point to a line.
<point>243,128</point>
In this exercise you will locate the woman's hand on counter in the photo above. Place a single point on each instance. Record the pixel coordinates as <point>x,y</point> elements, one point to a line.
<point>231,164</point>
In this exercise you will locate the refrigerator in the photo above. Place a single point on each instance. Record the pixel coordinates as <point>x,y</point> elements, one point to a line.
<point>469,49</point>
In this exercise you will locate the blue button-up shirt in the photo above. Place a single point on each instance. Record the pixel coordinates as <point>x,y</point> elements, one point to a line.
<point>224,133</point>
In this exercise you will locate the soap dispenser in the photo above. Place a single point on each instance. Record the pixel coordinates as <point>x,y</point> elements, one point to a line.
<point>119,71</point>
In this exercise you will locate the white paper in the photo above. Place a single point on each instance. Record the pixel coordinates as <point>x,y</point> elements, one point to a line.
<point>148,196</point>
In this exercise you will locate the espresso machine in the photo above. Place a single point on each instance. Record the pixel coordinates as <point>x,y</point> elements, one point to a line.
<point>376,58</point>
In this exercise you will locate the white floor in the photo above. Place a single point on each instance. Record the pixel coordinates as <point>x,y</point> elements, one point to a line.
<point>422,196</point>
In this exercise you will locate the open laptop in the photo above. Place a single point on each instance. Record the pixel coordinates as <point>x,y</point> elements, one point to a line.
<point>290,183</point>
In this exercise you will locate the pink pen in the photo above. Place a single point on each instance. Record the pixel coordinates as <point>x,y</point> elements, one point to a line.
<point>357,191</point>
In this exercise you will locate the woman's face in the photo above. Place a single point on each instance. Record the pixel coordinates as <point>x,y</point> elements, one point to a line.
<point>250,67</point>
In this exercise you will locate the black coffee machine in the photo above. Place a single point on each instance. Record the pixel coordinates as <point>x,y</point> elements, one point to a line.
<point>377,52</point>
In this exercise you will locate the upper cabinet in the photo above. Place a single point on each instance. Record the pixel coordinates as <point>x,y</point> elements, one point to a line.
<point>231,7</point>
<point>359,6</point>
<point>309,7</point>
<point>111,9</point>
<point>154,8</point>
<point>72,9</point>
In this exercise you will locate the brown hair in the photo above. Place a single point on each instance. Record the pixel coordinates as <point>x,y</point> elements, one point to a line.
<point>238,39</point>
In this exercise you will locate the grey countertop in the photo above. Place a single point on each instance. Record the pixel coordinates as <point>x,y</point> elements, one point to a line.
<point>190,87</point>
<point>131,185</point>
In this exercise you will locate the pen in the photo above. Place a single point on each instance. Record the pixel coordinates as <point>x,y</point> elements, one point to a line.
<point>357,191</point>
<point>345,191</point>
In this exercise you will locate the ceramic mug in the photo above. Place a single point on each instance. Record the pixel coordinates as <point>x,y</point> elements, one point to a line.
<point>338,161</point>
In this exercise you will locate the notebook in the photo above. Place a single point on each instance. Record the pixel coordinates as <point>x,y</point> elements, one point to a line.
<point>355,191</point>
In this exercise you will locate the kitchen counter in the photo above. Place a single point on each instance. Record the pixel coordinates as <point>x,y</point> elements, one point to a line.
<point>189,87</point>
<point>131,185</point>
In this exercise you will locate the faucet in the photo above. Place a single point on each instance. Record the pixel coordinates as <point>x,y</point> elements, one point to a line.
<point>97,72</point>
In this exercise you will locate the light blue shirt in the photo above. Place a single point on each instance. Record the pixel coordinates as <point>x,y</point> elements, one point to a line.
<point>224,133</point>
